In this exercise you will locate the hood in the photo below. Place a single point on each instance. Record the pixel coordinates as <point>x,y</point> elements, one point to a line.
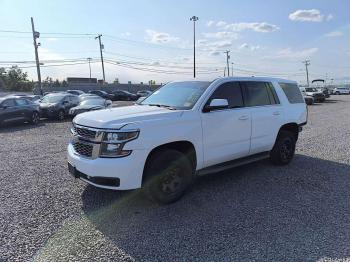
<point>45,105</point>
<point>116,118</point>
<point>87,107</point>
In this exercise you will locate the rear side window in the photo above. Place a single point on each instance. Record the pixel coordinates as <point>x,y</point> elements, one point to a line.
<point>257,94</point>
<point>292,92</point>
<point>21,102</point>
<point>230,91</point>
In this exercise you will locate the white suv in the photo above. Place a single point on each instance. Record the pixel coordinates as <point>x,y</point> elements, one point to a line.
<point>187,129</point>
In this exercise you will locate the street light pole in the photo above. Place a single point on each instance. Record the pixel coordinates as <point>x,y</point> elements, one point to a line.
<point>89,59</point>
<point>194,19</point>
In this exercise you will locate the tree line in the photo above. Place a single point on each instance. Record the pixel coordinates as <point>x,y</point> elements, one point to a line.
<point>15,79</point>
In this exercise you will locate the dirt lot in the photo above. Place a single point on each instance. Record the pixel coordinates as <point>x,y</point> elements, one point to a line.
<point>255,212</point>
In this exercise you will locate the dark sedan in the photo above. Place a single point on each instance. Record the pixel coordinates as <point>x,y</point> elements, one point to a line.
<point>101,93</point>
<point>90,105</point>
<point>121,95</point>
<point>57,105</point>
<point>18,109</point>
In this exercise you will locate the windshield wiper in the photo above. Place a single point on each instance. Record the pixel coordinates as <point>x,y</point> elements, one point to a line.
<point>165,106</point>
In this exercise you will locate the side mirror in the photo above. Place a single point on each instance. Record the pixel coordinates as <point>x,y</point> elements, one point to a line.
<point>216,104</point>
<point>3,107</point>
<point>108,103</point>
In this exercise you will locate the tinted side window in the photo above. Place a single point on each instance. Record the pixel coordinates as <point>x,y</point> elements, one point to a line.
<point>292,92</point>
<point>230,91</point>
<point>256,94</point>
<point>8,102</point>
<point>21,102</point>
<point>272,94</point>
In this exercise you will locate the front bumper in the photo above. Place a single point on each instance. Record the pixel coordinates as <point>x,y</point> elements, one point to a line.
<point>128,170</point>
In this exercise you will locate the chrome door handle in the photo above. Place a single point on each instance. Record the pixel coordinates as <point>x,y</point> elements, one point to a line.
<point>243,117</point>
<point>276,113</point>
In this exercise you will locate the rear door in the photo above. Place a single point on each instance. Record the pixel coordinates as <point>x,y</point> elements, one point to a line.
<point>226,132</point>
<point>267,114</point>
<point>9,111</point>
<point>24,108</point>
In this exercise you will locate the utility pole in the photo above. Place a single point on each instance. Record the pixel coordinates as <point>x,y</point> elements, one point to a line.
<point>89,59</point>
<point>101,47</point>
<point>232,69</point>
<point>35,36</point>
<point>225,71</point>
<point>227,52</point>
<point>194,19</point>
<point>307,63</point>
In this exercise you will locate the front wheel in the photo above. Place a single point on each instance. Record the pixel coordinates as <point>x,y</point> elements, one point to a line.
<point>34,118</point>
<point>283,151</point>
<point>169,174</point>
<point>60,115</point>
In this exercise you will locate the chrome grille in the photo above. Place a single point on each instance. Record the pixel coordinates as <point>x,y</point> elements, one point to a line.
<point>82,148</point>
<point>84,132</point>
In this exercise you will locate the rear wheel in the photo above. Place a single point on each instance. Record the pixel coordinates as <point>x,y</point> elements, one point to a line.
<point>169,173</point>
<point>337,93</point>
<point>34,118</point>
<point>283,151</point>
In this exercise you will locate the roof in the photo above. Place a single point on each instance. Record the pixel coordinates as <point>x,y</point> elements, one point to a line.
<point>257,78</point>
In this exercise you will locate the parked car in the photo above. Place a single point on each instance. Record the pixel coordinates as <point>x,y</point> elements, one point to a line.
<point>18,109</point>
<point>121,95</point>
<point>88,96</point>
<point>309,100</point>
<point>184,130</point>
<point>90,105</point>
<point>144,93</point>
<point>102,94</point>
<point>57,105</point>
<point>76,92</point>
<point>317,95</point>
<point>341,91</point>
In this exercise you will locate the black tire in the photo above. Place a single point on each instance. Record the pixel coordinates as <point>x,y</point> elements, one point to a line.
<point>337,93</point>
<point>35,118</point>
<point>168,174</point>
<point>60,115</point>
<point>283,151</point>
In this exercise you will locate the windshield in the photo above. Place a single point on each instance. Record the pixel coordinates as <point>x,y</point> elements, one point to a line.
<point>52,98</point>
<point>97,102</point>
<point>311,90</point>
<point>178,95</point>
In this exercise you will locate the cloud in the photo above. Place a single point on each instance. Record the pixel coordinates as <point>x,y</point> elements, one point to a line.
<point>47,54</point>
<point>262,27</point>
<point>210,23</point>
<point>215,53</point>
<point>221,23</point>
<point>334,34</point>
<point>221,35</point>
<point>291,54</point>
<point>250,47</point>
<point>311,15</point>
<point>159,37</point>
<point>156,63</point>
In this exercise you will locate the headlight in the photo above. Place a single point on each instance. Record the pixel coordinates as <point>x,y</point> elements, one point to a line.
<point>113,143</point>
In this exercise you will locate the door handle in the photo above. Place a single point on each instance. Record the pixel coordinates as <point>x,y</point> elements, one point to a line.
<point>243,117</point>
<point>276,113</point>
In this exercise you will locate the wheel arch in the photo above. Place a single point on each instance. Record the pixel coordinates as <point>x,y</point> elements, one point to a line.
<point>291,127</point>
<point>183,146</point>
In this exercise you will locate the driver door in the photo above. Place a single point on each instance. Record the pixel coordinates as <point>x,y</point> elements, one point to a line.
<point>226,132</point>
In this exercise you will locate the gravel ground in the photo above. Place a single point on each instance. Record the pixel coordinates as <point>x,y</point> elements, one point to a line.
<point>256,212</point>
